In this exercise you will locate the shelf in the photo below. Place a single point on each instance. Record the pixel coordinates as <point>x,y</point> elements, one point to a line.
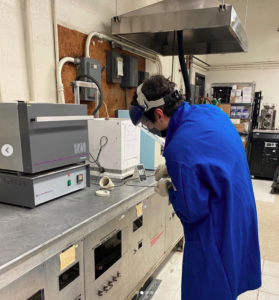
<point>236,118</point>
<point>243,133</point>
<point>242,104</point>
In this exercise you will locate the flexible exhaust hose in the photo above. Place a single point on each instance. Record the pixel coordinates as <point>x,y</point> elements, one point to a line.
<point>99,87</point>
<point>183,66</point>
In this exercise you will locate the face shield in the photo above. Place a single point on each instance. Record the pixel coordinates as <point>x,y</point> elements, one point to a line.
<point>143,105</point>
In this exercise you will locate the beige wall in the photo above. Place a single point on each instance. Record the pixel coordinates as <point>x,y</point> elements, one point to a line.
<point>262,25</point>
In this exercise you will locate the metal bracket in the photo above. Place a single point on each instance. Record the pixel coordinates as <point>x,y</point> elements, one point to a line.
<point>222,7</point>
<point>85,84</point>
<point>115,45</point>
<point>117,19</point>
<point>89,85</point>
<point>150,291</point>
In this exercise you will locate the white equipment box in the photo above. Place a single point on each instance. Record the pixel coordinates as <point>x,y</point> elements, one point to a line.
<point>122,151</point>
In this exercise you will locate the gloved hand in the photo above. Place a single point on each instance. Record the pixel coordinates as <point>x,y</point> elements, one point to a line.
<point>163,187</point>
<point>161,172</point>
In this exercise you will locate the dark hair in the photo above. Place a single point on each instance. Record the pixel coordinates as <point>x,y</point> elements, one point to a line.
<point>156,87</point>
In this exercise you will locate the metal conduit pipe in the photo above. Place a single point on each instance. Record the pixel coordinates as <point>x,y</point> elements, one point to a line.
<point>146,54</point>
<point>60,86</point>
<point>30,51</point>
<point>55,35</point>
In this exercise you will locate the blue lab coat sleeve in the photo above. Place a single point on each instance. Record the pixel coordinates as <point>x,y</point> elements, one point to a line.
<point>190,200</point>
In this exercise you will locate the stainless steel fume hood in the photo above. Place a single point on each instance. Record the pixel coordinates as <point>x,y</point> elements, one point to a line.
<point>207,28</point>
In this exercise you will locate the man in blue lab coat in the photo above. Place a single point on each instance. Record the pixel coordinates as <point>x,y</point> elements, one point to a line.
<point>210,190</point>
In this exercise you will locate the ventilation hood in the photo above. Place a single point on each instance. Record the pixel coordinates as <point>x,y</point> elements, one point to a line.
<point>207,28</point>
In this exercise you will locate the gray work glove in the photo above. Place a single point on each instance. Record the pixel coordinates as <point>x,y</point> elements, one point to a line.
<point>163,188</point>
<point>161,172</point>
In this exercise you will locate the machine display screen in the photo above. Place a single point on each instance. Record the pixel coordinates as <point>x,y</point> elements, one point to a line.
<point>38,296</point>
<point>270,144</point>
<point>107,254</point>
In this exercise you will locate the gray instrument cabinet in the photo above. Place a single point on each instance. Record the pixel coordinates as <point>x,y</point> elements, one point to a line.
<point>105,255</point>
<point>67,284</point>
<point>110,262</point>
<point>24,288</point>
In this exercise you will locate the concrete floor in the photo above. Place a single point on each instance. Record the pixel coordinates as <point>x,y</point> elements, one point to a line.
<point>268,218</point>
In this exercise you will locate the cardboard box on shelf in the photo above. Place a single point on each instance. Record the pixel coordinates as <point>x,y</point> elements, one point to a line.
<point>247,99</point>
<point>239,127</point>
<point>247,91</point>
<point>237,93</point>
<point>226,108</point>
<point>235,121</point>
<point>238,99</point>
<point>232,99</point>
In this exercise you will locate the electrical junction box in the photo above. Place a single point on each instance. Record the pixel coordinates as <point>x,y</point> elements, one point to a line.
<point>114,67</point>
<point>142,76</point>
<point>121,153</point>
<point>91,67</point>
<point>131,69</point>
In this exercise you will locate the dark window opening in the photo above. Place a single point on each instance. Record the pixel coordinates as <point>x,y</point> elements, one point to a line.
<point>38,296</point>
<point>107,254</point>
<point>68,276</point>
<point>137,224</point>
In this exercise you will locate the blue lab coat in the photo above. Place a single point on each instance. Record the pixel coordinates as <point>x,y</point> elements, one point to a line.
<point>215,203</point>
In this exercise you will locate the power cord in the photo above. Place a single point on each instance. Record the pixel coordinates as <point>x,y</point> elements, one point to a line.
<point>106,109</point>
<point>125,182</point>
<point>96,161</point>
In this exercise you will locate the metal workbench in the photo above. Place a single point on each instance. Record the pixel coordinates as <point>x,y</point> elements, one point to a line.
<point>30,237</point>
<point>26,232</point>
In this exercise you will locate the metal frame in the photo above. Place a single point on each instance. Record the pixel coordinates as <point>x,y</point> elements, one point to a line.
<point>250,105</point>
<point>89,85</point>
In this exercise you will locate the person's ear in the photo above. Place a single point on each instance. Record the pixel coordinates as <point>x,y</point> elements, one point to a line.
<point>159,115</point>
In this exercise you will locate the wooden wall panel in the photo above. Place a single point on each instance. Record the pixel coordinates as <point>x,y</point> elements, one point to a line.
<point>72,43</point>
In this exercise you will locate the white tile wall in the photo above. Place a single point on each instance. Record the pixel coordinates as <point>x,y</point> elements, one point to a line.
<point>13,68</point>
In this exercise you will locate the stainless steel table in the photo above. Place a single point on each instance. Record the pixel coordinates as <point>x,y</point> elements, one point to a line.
<point>31,236</point>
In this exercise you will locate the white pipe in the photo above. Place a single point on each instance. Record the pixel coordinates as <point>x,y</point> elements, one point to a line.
<point>246,14</point>
<point>242,66</point>
<point>60,86</point>
<point>1,99</point>
<point>133,49</point>
<point>55,34</point>
<point>30,52</point>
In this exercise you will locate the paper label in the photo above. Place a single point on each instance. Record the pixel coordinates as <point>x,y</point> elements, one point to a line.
<point>139,209</point>
<point>67,257</point>
<point>119,67</point>
<point>247,91</point>
<point>132,141</point>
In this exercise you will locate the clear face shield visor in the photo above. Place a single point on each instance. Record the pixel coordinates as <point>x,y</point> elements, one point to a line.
<point>136,114</point>
<point>149,128</point>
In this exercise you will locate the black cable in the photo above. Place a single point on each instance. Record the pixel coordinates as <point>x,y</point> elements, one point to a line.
<point>96,161</point>
<point>183,66</point>
<point>172,56</point>
<point>99,87</point>
<point>102,146</point>
<point>125,183</point>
